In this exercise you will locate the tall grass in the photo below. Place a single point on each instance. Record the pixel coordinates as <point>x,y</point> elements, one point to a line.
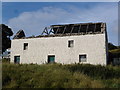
<point>59,76</point>
<point>96,71</point>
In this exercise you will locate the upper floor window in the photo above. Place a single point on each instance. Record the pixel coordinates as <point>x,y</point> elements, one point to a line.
<point>70,43</point>
<point>25,46</point>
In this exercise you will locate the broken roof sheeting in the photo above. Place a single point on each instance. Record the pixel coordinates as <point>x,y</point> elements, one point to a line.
<point>78,28</point>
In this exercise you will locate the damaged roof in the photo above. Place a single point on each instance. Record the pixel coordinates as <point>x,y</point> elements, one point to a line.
<point>78,28</point>
<point>72,29</point>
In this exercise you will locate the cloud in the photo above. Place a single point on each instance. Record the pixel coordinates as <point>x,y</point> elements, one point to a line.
<point>34,22</point>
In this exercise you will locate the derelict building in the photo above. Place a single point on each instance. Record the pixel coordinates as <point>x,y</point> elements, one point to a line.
<point>66,44</point>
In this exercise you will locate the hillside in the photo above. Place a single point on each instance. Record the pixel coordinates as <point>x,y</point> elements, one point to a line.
<point>60,76</point>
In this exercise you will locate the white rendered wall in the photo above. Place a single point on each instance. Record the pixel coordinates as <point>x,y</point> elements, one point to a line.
<point>93,45</point>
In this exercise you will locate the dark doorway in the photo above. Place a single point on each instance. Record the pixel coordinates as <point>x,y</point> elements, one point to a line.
<point>51,58</point>
<point>17,59</point>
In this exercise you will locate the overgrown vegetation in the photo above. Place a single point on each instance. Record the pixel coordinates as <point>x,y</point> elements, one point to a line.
<point>111,46</point>
<point>114,54</point>
<point>60,76</point>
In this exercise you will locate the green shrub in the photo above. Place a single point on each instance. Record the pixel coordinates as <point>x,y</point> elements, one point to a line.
<point>6,60</point>
<point>59,76</point>
<point>112,83</point>
<point>95,71</point>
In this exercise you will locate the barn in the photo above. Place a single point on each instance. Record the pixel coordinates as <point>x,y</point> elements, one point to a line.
<point>65,44</point>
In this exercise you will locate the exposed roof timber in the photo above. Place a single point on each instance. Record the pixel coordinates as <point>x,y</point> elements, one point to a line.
<point>45,31</point>
<point>75,28</point>
<point>74,24</point>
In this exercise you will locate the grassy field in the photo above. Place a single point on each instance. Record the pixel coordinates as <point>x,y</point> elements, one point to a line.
<point>60,76</point>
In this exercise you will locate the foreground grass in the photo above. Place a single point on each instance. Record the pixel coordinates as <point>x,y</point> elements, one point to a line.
<point>60,76</point>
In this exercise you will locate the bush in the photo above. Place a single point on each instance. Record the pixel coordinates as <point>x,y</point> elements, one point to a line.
<point>6,60</point>
<point>59,76</point>
<point>95,71</point>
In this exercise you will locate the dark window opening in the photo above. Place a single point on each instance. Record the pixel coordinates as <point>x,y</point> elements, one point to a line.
<point>83,28</point>
<point>51,58</point>
<point>91,28</point>
<point>82,58</point>
<point>75,29</point>
<point>70,43</point>
<point>17,59</point>
<point>98,27</point>
<point>25,46</point>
